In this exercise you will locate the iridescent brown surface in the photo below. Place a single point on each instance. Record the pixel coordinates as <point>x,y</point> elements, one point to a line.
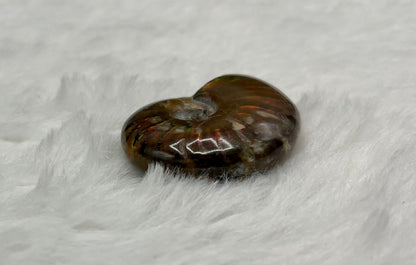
<point>232,127</point>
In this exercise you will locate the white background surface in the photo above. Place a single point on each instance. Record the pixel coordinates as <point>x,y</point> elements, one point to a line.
<point>71,72</point>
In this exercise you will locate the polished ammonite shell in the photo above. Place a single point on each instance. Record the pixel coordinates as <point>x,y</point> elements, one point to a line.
<point>232,127</point>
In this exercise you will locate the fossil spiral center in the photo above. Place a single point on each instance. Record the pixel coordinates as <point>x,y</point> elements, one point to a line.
<point>193,110</point>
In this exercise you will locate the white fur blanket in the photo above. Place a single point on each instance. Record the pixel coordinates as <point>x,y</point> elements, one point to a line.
<point>71,72</point>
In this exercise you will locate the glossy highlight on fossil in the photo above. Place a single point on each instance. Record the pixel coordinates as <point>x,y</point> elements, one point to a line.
<point>232,127</point>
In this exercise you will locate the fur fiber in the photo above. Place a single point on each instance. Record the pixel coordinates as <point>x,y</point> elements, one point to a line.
<point>71,72</point>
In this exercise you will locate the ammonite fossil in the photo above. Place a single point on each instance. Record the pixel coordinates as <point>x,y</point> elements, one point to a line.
<point>232,127</point>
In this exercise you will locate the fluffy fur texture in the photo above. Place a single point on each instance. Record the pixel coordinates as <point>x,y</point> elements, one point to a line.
<point>72,72</point>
